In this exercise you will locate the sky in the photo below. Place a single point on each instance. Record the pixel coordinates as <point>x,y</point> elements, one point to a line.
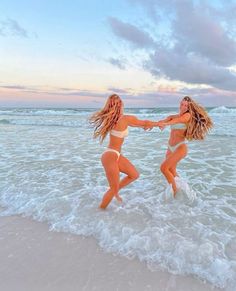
<point>58,53</point>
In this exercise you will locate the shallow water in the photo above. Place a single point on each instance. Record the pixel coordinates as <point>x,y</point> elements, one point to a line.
<point>51,171</point>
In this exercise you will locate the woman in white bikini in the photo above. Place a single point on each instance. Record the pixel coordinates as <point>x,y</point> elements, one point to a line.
<point>192,123</point>
<point>111,120</point>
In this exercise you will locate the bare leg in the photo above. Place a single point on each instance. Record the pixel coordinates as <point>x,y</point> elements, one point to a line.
<point>110,164</point>
<point>173,172</point>
<point>126,167</point>
<point>171,162</point>
<point>173,169</point>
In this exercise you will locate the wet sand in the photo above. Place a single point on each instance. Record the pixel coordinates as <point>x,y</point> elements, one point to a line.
<point>34,258</point>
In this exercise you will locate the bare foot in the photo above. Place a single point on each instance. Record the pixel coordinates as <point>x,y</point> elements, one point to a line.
<point>101,207</point>
<point>174,191</point>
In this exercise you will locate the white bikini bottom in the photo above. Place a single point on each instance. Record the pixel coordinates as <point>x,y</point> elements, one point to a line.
<point>114,151</point>
<point>173,148</point>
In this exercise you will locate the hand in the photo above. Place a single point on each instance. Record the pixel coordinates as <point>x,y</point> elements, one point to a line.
<point>162,127</point>
<point>148,125</point>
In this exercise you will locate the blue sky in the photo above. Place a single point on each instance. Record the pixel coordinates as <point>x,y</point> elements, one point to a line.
<point>151,52</point>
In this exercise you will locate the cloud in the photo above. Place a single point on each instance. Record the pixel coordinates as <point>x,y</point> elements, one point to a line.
<point>60,91</point>
<point>211,96</point>
<point>131,33</point>
<point>117,63</point>
<point>201,47</point>
<point>12,27</point>
<point>196,29</point>
<point>190,69</point>
<point>118,90</point>
<point>161,96</point>
<point>17,87</point>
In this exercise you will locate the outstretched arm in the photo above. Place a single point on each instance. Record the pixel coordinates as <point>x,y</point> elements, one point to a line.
<point>135,122</point>
<point>160,123</point>
<point>170,117</point>
<point>178,119</point>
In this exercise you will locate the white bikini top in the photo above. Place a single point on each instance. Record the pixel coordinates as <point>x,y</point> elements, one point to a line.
<point>118,133</point>
<point>178,126</point>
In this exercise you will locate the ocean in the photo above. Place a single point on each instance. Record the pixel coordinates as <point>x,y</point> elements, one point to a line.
<point>50,171</point>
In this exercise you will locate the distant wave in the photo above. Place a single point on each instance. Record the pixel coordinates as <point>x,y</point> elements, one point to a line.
<point>32,122</point>
<point>44,112</point>
<point>4,121</point>
<point>141,112</point>
<point>79,111</point>
<point>222,110</point>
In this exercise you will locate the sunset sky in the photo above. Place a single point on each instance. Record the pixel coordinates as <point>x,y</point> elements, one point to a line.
<point>58,53</point>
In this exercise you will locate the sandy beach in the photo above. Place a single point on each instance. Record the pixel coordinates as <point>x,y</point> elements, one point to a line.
<point>34,258</point>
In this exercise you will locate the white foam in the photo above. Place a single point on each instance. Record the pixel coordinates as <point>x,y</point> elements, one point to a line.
<point>184,189</point>
<point>46,121</point>
<point>169,193</point>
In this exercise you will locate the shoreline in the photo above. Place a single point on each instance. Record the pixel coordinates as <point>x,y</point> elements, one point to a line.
<point>34,258</point>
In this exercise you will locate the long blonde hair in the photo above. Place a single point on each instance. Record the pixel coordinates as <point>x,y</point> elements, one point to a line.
<point>105,119</point>
<point>200,123</point>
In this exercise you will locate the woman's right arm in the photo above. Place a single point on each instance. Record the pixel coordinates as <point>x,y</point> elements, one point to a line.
<point>169,118</point>
<point>179,119</point>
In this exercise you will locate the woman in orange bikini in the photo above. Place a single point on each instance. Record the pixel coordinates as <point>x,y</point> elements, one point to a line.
<point>111,120</point>
<point>192,123</point>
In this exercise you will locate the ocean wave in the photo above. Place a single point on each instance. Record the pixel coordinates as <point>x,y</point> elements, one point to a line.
<point>32,122</point>
<point>5,121</point>
<point>80,111</point>
<point>86,111</point>
<point>45,112</point>
<point>222,110</point>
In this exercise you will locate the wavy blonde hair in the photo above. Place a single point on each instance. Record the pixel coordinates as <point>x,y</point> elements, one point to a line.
<point>200,123</point>
<point>105,119</point>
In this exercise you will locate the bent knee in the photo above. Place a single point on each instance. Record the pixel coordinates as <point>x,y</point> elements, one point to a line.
<point>135,176</point>
<point>164,167</point>
<point>173,170</point>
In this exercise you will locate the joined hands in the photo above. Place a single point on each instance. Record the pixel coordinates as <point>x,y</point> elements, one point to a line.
<point>150,124</point>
